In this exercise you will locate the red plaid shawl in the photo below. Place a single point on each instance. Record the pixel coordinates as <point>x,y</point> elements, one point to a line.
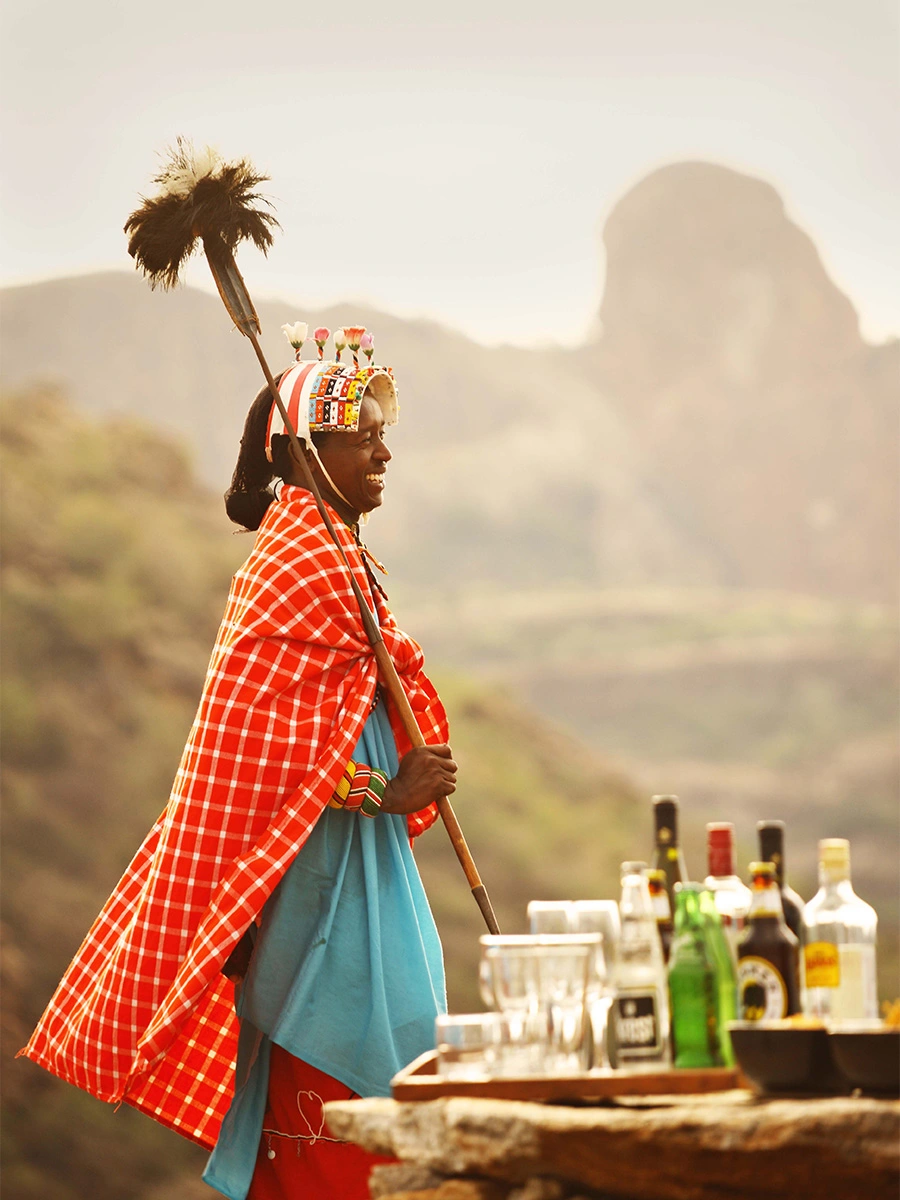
<point>143,1012</point>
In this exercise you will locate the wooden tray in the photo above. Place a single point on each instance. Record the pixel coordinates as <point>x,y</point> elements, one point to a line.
<point>420,1081</point>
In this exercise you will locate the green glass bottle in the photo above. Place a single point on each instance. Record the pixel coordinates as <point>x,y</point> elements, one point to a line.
<point>692,983</point>
<point>726,974</point>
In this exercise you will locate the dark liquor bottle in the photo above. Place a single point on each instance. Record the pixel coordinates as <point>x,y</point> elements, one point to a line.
<point>771,849</point>
<point>667,855</point>
<point>659,898</point>
<point>768,954</point>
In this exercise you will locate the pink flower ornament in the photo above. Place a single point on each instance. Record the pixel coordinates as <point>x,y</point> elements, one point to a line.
<point>367,345</point>
<point>354,334</point>
<point>320,337</point>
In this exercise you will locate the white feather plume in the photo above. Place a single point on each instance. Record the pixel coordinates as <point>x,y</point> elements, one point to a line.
<point>187,167</point>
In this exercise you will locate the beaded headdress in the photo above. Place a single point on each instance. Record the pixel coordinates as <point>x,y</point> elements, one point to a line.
<point>325,396</point>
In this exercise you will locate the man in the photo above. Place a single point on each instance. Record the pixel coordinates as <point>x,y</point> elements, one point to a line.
<point>297,783</point>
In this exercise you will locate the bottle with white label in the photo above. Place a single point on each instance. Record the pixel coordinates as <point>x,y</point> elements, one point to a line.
<point>639,1020</point>
<point>839,951</point>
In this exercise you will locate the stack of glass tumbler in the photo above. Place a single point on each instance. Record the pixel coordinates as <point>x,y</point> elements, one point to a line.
<point>549,991</point>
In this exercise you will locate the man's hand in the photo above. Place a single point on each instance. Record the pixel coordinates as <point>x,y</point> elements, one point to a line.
<point>426,774</point>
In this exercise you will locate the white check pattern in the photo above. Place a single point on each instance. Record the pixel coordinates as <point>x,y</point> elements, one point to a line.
<point>143,1013</point>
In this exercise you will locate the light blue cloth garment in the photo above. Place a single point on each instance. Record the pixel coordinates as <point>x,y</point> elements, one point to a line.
<point>347,973</point>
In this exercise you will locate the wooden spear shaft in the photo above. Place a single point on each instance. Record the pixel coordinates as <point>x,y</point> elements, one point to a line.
<point>386,667</point>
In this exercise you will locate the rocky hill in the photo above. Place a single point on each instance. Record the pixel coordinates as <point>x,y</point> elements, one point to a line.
<point>726,426</point>
<point>769,425</point>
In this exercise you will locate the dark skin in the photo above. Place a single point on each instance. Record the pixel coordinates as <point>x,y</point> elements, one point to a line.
<point>357,463</point>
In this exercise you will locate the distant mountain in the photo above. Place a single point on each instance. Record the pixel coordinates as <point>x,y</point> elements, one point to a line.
<point>770,426</point>
<point>725,426</point>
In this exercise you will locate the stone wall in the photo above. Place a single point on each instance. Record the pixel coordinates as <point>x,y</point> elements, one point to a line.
<point>720,1147</point>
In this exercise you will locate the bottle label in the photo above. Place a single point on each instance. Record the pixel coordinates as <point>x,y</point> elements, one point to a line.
<point>762,995</point>
<point>637,1024</point>
<point>822,965</point>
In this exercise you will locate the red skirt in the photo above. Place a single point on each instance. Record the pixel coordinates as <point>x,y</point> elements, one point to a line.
<point>298,1158</point>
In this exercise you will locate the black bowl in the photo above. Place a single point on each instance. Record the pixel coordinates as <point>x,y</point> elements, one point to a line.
<point>780,1058</point>
<point>870,1059</point>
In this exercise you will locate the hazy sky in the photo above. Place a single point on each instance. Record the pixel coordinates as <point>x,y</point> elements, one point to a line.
<point>456,165</point>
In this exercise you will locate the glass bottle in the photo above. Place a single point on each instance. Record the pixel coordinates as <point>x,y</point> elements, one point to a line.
<point>639,1026</point>
<point>659,898</point>
<point>732,897</point>
<point>839,954</point>
<point>726,974</point>
<point>771,849</point>
<point>667,855</point>
<point>768,954</point>
<point>692,984</point>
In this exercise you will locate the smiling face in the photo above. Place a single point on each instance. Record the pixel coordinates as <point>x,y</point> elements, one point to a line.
<point>356,462</point>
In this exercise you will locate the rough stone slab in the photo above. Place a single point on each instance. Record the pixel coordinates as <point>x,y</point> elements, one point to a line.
<point>539,1189</point>
<point>457,1189</point>
<point>726,1147</point>
<point>387,1179</point>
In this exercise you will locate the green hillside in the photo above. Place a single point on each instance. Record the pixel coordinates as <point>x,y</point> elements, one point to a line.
<point>115,569</point>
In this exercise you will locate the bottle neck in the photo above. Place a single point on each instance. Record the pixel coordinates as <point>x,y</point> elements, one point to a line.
<point>771,849</point>
<point>665,816</point>
<point>721,861</point>
<point>833,877</point>
<point>766,902</point>
<point>635,900</point>
<point>687,910</point>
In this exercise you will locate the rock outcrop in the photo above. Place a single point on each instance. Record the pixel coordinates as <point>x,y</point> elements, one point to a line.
<point>769,426</point>
<point>721,1147</point>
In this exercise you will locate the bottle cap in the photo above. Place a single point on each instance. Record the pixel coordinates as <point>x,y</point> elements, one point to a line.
<point>720,847</point>
<point>633,868</point>
<point>834,856</point>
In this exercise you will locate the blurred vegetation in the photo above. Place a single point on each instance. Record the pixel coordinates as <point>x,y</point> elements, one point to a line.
<point>749,705</point>
<point>115,569</point>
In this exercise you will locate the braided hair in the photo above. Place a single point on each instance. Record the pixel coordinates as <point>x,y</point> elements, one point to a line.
<point>250,493</point>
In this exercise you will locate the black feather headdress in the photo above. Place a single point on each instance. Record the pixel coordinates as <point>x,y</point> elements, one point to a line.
<point>201,198</point>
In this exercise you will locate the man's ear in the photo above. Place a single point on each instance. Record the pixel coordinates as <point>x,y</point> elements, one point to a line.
<point>292,450</point>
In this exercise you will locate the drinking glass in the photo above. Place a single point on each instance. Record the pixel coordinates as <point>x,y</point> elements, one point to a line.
<point>513,978</point>
<point>564,967</point>
<point>485,977</point>
<point>549,916</point>
<point>469,1045</point>
<point>599,916</point>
